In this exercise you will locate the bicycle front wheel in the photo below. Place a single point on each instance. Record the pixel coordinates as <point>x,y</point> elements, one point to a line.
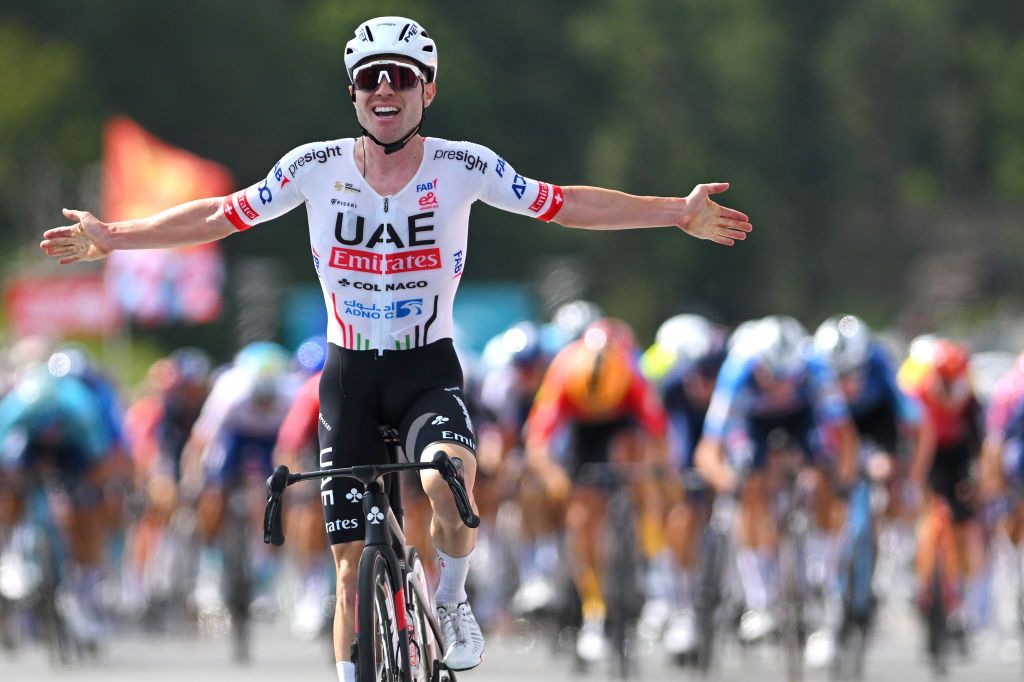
<point>377,653</point>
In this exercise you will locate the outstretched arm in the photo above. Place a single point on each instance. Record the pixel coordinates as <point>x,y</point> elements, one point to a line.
<point>595,208</point>
<point>195,222</point>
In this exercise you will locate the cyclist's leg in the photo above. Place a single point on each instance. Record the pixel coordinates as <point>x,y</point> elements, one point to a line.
<point>757,536</point>
<point>685,521</point>
<point>437,420</point>
<point>221,462</point>
<point>348,436</point>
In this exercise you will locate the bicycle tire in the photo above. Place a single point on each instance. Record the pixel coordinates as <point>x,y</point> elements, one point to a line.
<point>936,616</point>
<point>378,659</point>
<point>709,598</point>
<point>791,592</point>
<point>424,654</point>
<point>623,594</point>
<point>238,578</point>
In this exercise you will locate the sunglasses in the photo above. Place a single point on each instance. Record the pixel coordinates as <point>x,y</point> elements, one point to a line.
<point>399,76</point>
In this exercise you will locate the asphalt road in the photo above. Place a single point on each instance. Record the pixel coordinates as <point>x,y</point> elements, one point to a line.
<point>129,656</point>
<point>895,654</point>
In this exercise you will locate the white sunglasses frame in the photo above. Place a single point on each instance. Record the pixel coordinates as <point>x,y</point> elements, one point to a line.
<point>384,74</point>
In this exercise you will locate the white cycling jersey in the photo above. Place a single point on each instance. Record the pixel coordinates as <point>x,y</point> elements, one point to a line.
<point>389,265</point>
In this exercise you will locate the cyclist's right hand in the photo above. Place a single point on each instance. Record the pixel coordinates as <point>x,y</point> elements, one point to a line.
<point>83,241</point>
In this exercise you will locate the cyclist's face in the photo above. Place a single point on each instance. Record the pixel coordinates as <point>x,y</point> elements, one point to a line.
<point>389,112</point>
<point>852,384</point>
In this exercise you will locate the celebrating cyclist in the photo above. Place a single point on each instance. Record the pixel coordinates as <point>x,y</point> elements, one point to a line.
<point>388,214</point>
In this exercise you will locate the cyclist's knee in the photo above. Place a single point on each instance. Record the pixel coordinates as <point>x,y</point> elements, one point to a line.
<point>436,487</point>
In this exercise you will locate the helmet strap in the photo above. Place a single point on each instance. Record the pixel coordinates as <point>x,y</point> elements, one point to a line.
<point>392,147</point>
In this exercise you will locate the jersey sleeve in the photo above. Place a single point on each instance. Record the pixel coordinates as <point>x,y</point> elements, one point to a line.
<point>645,404</point>
<point>550,407</point>
<point>274,195</point>
<point>829,402</point>
<point>504,188</point>
<point>729,397</point>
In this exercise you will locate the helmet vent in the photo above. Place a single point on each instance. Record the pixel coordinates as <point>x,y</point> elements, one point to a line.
<point>369,34</point>
<point>428,48</point>
<point>404,29</point>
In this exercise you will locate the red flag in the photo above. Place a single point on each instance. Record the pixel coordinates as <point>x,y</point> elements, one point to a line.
<point>143,175</point>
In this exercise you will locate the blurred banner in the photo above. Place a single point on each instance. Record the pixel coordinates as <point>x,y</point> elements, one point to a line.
<point>143,175</point>
<point>60,306</point>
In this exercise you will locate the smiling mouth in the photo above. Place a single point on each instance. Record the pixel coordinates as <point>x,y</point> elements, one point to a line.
<point>385,111</point>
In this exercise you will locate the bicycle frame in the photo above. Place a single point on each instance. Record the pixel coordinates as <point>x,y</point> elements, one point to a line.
<point>383,532</point>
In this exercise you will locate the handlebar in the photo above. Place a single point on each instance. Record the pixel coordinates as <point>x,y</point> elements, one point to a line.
<point>365,474</point>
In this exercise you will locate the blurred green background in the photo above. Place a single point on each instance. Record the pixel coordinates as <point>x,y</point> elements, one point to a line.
<point>878,145</point>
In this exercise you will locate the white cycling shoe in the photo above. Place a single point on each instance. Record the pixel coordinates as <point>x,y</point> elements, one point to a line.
<point>591,645</point>
<point>680,636</point>
<point>463,641</point>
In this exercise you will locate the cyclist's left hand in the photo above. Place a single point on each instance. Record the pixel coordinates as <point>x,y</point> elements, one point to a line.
<point>705,219</point>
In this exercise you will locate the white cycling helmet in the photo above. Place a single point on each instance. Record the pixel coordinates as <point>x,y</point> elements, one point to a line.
<point>778,343</point>
<point>691,339</point>
<point>392,36</point>
<point>844,341</point>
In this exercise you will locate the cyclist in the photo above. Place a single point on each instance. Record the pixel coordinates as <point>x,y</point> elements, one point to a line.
<point>770,382</point>
<point>388,215</point>
<point>936,374</point>
<point>595,393</point>
<point>685,360</point>
<point>1003,456</point>
<point>296,448</point>
<point>235,435</point>
<point>507,395</point>
<point>51,424</point>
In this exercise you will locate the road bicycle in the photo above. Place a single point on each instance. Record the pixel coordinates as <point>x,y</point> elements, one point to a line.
<point>716,599</point>
<point>33,556</point>
<point>398,638</point>
<point>858,557</point>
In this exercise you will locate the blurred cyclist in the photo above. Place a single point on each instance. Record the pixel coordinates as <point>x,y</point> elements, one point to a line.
<point>771,383</point>
<point>52,428</point>
<point>595,393</point>
<point>234,438</point>
<point>685,359</point>
<point>297,449</point>
<point>936,373</point>
<point>883,414</point>
<point>518,362</point>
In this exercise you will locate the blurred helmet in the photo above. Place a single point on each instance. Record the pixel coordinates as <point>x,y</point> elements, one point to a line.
<point>616,330</point>
<point>521,344</point>
<point>574,317</point>
<point>777,341</point>
<point>193,365</point>
<point>311,355</point>
<point>392,36</point>
<point>598,373</point>
<point>71,361</point>
<point>262,359</point>
<point>844,341</point>
<point>950,360</point>
<point>692,342</point>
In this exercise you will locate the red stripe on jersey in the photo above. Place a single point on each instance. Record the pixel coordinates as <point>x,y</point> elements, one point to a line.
<point>556,204</point>
<point>231,213</point>
<point>334,304</point>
